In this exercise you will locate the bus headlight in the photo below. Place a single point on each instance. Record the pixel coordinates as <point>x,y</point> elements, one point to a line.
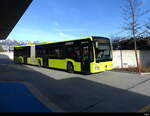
<point>97,68</point>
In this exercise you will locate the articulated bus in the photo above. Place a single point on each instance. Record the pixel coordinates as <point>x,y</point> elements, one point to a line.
<point>86,55</point>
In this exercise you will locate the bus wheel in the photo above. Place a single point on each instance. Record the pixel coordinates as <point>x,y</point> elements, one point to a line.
<point>20,61</point>
<point>70,68</point>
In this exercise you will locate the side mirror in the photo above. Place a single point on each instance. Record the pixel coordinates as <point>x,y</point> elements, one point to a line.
<point>96,43</point>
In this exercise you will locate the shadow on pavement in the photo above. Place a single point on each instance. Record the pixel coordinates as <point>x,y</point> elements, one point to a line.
<point>77,94</point>
<point>16,98</point>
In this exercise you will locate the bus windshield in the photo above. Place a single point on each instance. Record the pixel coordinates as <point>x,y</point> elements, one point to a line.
<point>103,51</point>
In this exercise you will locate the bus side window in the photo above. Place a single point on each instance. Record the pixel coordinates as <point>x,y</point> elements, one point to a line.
<point>57,53</point>
<point>52,52</point>
<point>44,52</point>
<point>62,52</point>
<point>77,51</point>
<point>70,52</point>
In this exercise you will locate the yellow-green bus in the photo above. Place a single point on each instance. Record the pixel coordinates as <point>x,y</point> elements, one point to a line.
<point>87,55</point>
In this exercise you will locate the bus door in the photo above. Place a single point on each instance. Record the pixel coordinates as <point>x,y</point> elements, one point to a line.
<point>45,57</point>
<point>25,55</point>
<point>85,64</point>
<point>45,61</point>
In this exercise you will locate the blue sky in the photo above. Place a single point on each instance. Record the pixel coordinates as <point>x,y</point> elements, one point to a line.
<point>56,20</point>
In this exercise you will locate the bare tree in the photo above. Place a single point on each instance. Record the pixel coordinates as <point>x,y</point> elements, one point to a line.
<point>147,26</point>
<point>132,14</point>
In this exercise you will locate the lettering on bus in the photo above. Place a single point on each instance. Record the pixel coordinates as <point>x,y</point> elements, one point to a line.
<point>69,43</point>
<point>84,42</point>
<point>103,41</point>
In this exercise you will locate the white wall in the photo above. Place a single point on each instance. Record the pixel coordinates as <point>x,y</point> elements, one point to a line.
<point>126,58</point>
<point>6,55</point>
<point>145,57</point>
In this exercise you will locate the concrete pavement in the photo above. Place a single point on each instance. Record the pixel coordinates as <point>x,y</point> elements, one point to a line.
<point>64,92</point>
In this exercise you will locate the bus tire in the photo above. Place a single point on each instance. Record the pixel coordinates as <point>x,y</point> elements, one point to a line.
<point>70,68</point>
<point>20,61</point>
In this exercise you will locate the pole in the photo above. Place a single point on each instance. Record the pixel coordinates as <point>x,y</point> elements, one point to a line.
<point>136,56</point>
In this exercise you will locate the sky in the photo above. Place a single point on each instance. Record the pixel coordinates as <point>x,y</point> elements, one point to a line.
<point>58,20</point>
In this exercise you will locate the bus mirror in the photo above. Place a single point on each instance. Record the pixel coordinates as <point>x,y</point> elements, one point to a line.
<point>96,44</point>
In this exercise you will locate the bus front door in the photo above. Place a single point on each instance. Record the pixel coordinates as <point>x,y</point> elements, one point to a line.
<point>85,65</point>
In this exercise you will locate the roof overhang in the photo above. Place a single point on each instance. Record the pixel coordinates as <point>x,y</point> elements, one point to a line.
<point>10,13</point>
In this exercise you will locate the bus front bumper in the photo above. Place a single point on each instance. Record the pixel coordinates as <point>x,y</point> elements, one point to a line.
<point>100,67</point>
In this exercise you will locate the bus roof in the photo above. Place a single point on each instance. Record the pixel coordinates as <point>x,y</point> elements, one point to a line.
<point>43,43</point>
<point>34,44</point>
<point>63,41</point>
<point>25,45</point>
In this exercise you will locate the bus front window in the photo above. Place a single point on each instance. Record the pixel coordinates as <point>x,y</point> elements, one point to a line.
<point>103,52</point>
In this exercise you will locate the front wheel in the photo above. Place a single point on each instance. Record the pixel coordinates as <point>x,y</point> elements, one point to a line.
<point>70,68</point>
<point>20,61</point>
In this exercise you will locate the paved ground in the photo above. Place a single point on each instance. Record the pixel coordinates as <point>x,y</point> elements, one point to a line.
<point>16,98</point>
<point>64,92</point>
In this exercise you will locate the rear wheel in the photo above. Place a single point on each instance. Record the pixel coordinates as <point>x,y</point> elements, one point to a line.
<point>20,61</point>
<point>70,68</point>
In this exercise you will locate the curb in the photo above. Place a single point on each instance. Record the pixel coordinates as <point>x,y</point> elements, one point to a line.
<point>147,73</point>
